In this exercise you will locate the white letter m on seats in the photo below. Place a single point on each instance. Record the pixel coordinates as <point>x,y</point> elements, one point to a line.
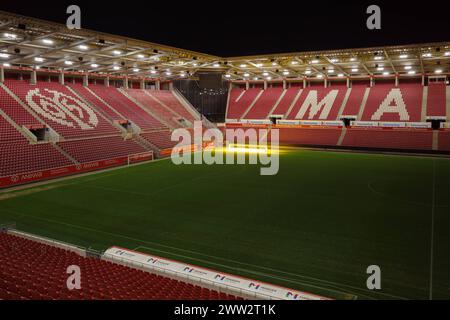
<point>314,106</point>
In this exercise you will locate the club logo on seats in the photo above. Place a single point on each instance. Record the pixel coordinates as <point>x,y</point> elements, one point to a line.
<point>61,108</point>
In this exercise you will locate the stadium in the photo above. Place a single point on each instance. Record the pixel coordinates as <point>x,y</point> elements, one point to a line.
<point>88,183</point>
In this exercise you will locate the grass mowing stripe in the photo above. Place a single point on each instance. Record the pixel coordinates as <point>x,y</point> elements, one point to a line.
<point>433,207</point>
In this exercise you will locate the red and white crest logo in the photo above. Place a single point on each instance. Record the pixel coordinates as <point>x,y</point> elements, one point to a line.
<point>61,108</point>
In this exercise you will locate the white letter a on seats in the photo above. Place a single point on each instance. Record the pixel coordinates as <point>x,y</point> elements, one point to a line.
<point>399,106</point>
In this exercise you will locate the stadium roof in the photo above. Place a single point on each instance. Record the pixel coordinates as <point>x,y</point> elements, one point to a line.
<point>33,43</point>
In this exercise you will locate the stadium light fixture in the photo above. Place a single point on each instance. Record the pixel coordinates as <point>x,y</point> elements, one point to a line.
<point>39,59</point>
<point>246,75</point>
<point>331,71</point>
<point>227,76</point>
<point>153,71</point>
<point>4,55</point>
<point>69,63</point>
<point>182,74</point>
<point>294,62</point>
<point>274,63</point>
<point>116,68</point>
<point>117,52</point>
<point>243,65</point>
<point>83,47</point>
<point>378,58</point>
<point>352,59</point>
<point>11,36</point>
<point>438,71</point>
<point>136,70</point>
<point>354,70</point>
<point>285,73</point>
<point>380,68</point>
<point>411,72</point>
<point>308,72</point>
<point>427,55</point>
<point>94,65</point>
<point>385,73</point>
<point>255,78</point>
<point>140,56</point>
<point>259,65</point>
<point>168,73</point>
<point>195,64</point>
<point>47,41</point>
<point>408,67</point>
<point>334,60</point>
<point>216,65</point>
<point>340,75</point>
<point>37,67</point>
<point>319,76</point>
<point>314,61</point>
<point>7,65</point>
<point>269,78</point>
<point>447,54</point>
<point>403,56</point>
<point>265,74</point>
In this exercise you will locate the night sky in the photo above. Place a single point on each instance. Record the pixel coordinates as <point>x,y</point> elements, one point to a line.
<point>235,28</point>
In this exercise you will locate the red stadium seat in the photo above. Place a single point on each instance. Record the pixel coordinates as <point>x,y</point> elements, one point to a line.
<point>46,268</point>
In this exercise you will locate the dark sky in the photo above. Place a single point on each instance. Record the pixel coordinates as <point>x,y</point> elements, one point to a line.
<point>234,28</point>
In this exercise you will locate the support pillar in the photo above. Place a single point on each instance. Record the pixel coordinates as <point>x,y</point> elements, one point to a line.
<point>348,82</point>
<point>125,82</point>
<point>284,85</point>
<point>396,80</point>
<point>61,78</point>
<point>170,85</point>
<point>158,85</point>
<point>142,84</point>
<point>86,80</point>
<point>371,82</point>
<point>325,83</point>
<point>265,85</point>
<point>33,79</point>
<point>247,85</point>
<point>304,83</point>
<point>2,75</point>
<point>107,82</point>
<point>423,80</point>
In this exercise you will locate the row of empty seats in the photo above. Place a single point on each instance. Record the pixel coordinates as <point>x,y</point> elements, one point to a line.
<point>366,138</point>
<point>168,99</point>
<point>96,149</point>
<point>149,102</point>
<point>161,139</point>
<point>389,139</point>
<point>126,107</point>
<point>17,155</point>
<point>31,270</point>
<point>382,102</point>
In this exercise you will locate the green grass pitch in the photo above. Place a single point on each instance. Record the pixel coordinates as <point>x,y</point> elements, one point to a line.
<point>316,226</point>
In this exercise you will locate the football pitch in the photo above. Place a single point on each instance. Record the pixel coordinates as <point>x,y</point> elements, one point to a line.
<point>315,226</point>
